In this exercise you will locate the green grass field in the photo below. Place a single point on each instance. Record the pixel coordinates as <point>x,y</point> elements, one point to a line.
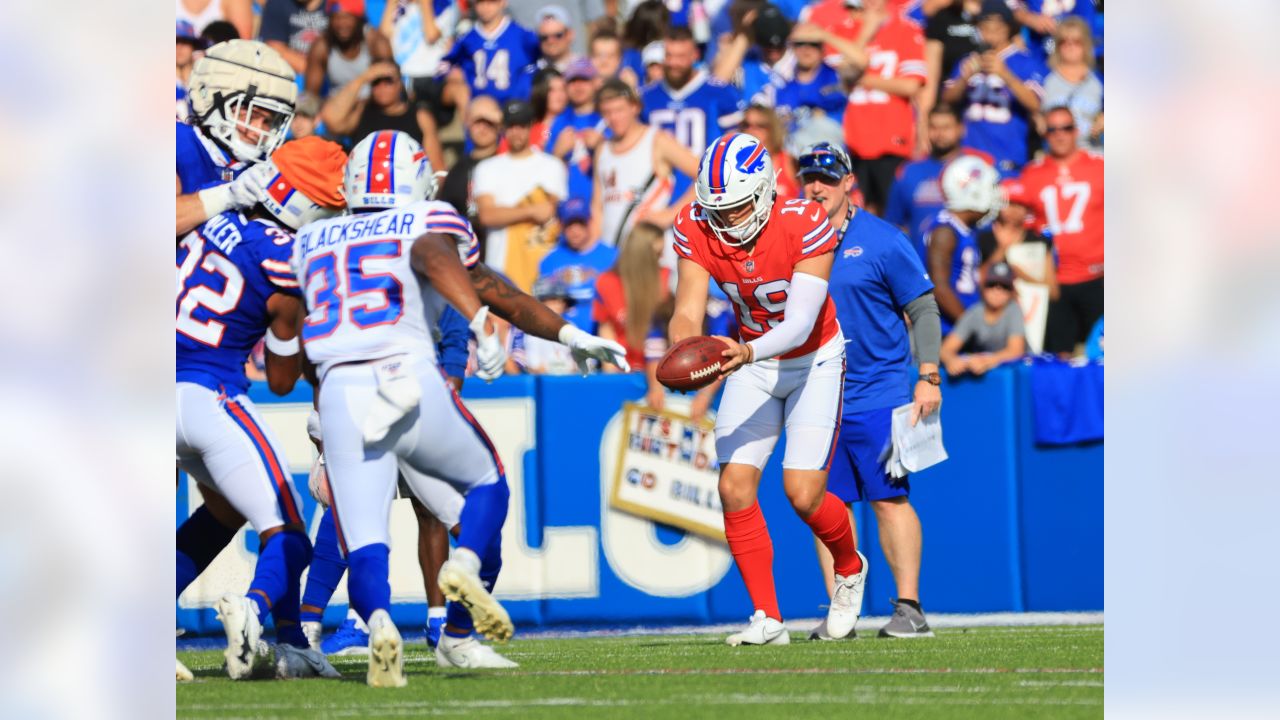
<point>990,672</point>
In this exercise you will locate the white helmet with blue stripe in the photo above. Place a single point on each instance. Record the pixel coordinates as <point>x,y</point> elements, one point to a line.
<point>387,169</point>
<point>736,172</point>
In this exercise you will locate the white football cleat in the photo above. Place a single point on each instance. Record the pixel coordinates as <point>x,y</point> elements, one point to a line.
<point>184,675</point>
<point>247,655</point>
<point>846,602</point>
<point>295,662</point>
<point>468,653</point>
<point>460,581</point>
<point>386,652</point>
<point>313,631</point>
<point>763,630</point>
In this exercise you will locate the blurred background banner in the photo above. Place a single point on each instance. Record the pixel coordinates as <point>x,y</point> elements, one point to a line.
<point>1005,515</point>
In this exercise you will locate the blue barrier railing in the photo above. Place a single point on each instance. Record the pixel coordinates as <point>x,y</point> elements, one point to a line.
<point>1009,525</point>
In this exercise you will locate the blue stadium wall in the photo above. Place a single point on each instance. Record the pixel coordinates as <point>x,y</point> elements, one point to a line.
<point>1009,525</point>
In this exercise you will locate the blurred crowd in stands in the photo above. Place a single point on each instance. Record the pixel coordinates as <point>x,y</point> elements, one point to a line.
<point>570,131</point>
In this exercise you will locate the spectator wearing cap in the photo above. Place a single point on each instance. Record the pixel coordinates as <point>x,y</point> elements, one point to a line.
<point>516,197</point>
<point>754,57</point>
<point>1073,83</point>
<point>199,14</point>
<point>814,88</point>
<point>605,54</point>
<point>1013,239</point>
<point>549,102</point>
<point>577,261</point>
<point>578,131</point>
<point>420,33</point>
<point>646,25</point>
<point>483,123</point>
<point>377,100</point>
<point>188,44</point>
<point>497,57</point>
<point>877,279</point>
<point>291,27</point>
<point>1042,20</point>
<point>1066,186</point>
<point>555,37</point>
<point>533,355</point>
<point>652,59</point>
<point>999,89</point>
<point>916,195</point>
<point>886,58</point>
<point>219,31</point>
<point>989,333</point>
<point>345,52</point>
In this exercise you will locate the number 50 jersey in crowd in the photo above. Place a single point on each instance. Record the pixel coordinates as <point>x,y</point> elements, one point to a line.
<point>364,301</point>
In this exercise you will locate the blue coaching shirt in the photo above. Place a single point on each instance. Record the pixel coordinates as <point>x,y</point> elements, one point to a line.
<point>876,274</point>
<point>227,269</point>
<point>500,65</point>
<point>202,164</point>
<point>995,122</point>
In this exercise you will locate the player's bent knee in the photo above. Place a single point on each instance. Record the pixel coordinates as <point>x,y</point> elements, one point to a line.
<point>737,489</point>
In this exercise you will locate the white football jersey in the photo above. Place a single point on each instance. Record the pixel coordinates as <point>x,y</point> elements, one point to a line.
<point>364,301</point>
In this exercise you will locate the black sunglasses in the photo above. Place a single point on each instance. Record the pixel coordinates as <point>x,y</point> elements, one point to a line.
<point>1059,128</point>
<point>823,163</point>
<point>806,43</point>
<point>553,36</point>
<point>1001,285</point>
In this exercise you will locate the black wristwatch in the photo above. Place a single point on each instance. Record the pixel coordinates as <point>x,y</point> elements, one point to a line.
<point>932,378</point>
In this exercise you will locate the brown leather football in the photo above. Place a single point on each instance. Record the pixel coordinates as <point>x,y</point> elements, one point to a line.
<point>692,363</point>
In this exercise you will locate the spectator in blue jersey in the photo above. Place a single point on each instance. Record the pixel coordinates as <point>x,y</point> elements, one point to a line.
<point>876,279</point>
<point>1000,90</point>
<point>991,332</point>
<point>605,53</point>
<point>751,57</point>
<point>497,58</point>
<point>291,26</point>
<point>916,195</point>
<point>1042,19</point>
<point>577,132</point>
<point>577,260</point>
<point>555,37</point>
<point>814,88</point>
<point>971,196</point>
<point>689,103</point>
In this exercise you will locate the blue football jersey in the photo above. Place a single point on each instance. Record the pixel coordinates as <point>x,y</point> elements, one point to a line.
<point>824,92</point>
<point>696,114</point>
<point>580,160</point>
<point>1041,45</point>
<point>227,268</point>
<point>500,65</point>
<point>202,164</point>
<point>964,261</point>
<point>995,122</point>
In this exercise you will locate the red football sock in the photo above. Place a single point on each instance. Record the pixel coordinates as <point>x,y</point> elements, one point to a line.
<point>752,550</point>
<point>831,525</point>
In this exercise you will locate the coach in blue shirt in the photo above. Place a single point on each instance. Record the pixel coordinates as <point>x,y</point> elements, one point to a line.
<point>877,276</point>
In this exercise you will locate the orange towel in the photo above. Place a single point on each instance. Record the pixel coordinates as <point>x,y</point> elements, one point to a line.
<point>314,166</point>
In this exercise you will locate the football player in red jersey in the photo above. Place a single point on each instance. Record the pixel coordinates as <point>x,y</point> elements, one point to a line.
<point>773,260</point>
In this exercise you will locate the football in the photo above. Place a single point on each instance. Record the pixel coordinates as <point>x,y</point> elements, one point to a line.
<point>692,363</point>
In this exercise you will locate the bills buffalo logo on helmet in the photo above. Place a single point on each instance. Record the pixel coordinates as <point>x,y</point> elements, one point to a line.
<point>751,158</point>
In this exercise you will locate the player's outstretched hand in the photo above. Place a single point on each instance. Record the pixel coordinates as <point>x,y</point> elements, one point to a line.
<point>250,187</point>
<point>491,358</point>
<point>736,356</point>
<point>586,346</point>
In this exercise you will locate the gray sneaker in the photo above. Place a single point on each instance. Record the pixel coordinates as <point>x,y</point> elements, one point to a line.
<point>907,622</point>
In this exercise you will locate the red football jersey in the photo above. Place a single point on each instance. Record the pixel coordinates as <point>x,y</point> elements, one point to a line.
<point>757,282</point>
<point>1068,196</point>
<point>877,123</point>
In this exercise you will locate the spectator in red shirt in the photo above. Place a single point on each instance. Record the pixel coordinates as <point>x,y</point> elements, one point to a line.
<point>887,58</point>
<point>633,303</point>
<point>1067,188</point>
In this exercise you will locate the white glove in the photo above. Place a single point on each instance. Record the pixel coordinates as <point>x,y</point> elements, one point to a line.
<point>491,357</point>
<point>242,193</point>
<point>585,346</point>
